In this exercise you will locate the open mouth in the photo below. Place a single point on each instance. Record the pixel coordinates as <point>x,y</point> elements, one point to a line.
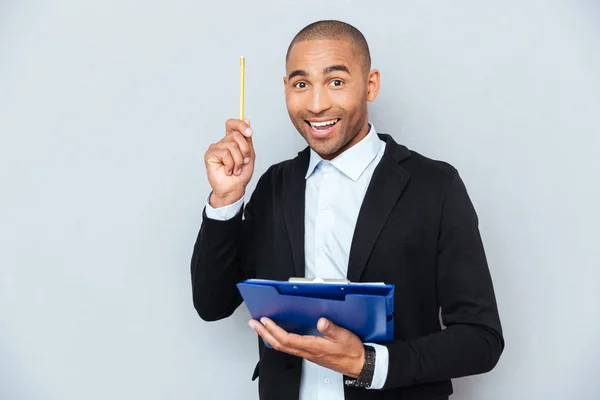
<point>322,128</point>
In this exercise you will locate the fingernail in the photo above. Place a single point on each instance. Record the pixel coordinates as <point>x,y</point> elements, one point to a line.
<point>239,171</point>
<point>246,160</point>
<point>248,131</point>
<point>263,321</point>
<point>251,324</point>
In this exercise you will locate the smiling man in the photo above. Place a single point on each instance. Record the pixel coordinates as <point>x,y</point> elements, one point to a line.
<point>327,88</point>
<point>354,204</point>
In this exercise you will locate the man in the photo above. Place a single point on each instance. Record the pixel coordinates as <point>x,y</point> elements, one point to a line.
<point>354,204</point>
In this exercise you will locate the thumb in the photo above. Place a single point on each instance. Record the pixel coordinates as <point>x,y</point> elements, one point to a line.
<point>328,328</point>
<point>249,138</point>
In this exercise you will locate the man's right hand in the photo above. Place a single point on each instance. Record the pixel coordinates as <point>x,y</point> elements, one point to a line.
<point>230,163</point>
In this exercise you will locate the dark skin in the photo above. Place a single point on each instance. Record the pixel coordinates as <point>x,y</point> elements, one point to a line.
<point>328,79</point>
<point>338,349</point>
<point>325,80</point>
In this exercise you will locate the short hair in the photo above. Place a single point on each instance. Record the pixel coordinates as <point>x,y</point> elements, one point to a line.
<point>334,30</point>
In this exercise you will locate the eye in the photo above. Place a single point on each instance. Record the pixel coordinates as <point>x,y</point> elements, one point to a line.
<point>300,85</point>
<point>336,83</point>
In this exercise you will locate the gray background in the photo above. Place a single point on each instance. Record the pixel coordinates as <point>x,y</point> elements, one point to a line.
<point>106,110</point>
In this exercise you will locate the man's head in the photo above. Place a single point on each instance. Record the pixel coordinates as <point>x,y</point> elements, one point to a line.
<point>329,80</point>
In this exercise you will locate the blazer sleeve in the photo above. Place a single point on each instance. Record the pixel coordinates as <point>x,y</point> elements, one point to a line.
<point>223,256</point>
<point>472,341</point>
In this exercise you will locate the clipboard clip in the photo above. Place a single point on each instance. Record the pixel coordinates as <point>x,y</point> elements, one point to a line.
<point>318,280</point>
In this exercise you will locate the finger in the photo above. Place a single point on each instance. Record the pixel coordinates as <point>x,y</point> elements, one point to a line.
<point>219,155</point>
<point>243,144</point>
<point>308,344</point>
<point>269,338</point>
<point>236,155</point>
<point>266,335</point>
<point>240,126</point>
<point>227,160</point>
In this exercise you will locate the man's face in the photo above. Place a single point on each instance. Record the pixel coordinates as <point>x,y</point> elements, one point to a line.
<point>327,89</point>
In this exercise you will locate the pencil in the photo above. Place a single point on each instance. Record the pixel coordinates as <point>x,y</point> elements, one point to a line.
<point>242,73</point>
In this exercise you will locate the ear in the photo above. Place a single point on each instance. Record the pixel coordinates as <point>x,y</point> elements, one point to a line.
<point>285,81</point>
<point>373,84</point>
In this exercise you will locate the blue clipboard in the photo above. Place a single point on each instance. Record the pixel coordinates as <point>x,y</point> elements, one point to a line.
<point>366,309</point>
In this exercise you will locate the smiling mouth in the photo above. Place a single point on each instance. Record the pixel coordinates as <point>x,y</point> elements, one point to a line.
<point>322,125</point>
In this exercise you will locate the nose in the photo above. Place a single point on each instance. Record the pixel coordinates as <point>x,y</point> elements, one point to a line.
<point>319,100</point>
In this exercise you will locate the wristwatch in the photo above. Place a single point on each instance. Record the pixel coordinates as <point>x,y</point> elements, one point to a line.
<point>365,378</point>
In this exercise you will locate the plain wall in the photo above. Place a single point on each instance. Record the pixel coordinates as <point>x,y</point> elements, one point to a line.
<point>107,108</point>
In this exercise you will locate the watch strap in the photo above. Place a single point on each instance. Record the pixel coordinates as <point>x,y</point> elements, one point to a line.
<point>365,379</point>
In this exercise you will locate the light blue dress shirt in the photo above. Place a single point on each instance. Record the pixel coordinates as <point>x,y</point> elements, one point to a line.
<point>334,193</point>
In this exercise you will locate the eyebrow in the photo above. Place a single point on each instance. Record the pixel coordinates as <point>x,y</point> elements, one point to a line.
<point>333,68</point>
<point>297,72</point>
<point>327,70</point>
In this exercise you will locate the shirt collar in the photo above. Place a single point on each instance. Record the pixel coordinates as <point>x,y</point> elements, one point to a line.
<point>353,161</point>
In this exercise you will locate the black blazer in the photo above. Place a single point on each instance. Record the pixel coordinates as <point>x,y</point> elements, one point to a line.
<point>416,229</point>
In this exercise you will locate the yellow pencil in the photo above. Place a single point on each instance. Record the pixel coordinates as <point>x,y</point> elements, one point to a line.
<point>242,73</point>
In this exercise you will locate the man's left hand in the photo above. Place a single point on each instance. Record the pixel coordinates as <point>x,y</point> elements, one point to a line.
<point>339,350</point>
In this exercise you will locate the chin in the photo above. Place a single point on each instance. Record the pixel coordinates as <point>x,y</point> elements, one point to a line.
<point>324,147</point>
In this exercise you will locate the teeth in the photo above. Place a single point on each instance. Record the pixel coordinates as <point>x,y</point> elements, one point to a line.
<point>325,123</point>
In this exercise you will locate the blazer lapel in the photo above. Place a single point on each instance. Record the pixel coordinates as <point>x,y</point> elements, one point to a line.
<point>387,184</point>
<point>294,186</point>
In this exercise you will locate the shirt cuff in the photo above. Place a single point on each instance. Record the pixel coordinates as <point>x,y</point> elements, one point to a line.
<point>382,360</point>
<point>223,213</point>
